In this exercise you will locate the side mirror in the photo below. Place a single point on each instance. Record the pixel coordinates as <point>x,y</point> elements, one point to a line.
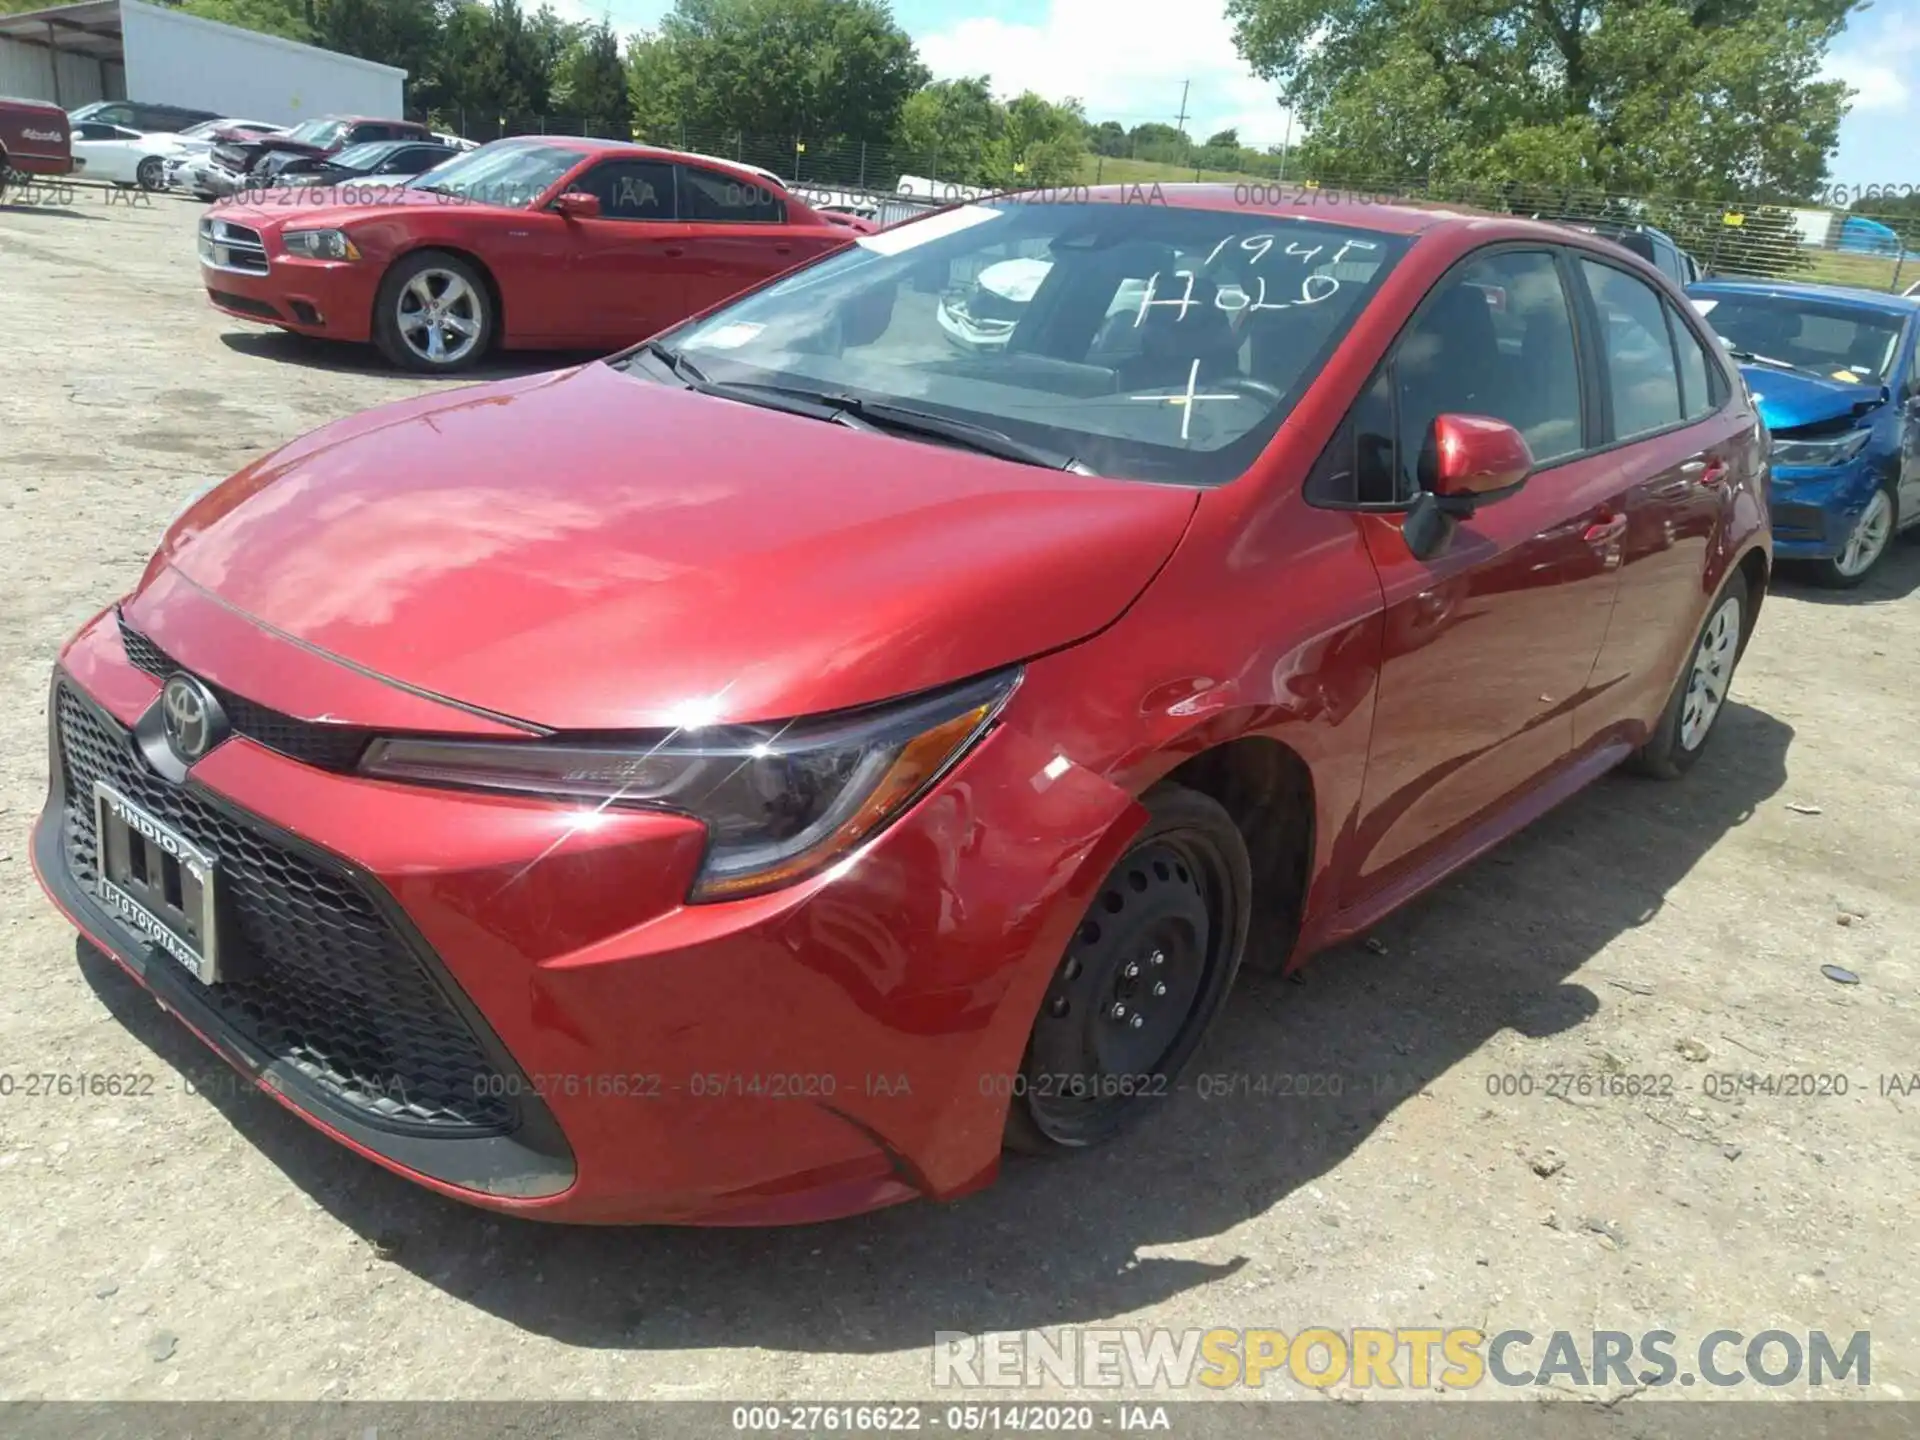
<point>1467,461</point>
<point>578,205</point>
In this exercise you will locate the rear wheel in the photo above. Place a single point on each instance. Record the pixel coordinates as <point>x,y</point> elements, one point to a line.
<point>434,314</point>
<point>1141,982</point>
<point>1701,694</point>
<point>1871,536</point>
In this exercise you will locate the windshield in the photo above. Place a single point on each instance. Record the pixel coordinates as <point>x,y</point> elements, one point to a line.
<point>1146,341</point>
<point>507,172</point>
<point>1836,342</point>
<point>364,157</point>
<point>317,132</point>
<point>201,131</point>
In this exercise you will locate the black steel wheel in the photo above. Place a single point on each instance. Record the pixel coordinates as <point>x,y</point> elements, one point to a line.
<point>1141,982</point>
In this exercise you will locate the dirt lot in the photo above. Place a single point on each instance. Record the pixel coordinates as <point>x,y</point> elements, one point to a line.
<point>209,1245</point>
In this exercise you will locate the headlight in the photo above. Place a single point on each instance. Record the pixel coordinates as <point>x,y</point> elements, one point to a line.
<point>1821,453</point>
<point>320,244</point>
<point>780,802</point>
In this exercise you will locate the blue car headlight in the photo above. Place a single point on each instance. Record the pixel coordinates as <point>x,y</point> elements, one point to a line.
<point>1823,453</point>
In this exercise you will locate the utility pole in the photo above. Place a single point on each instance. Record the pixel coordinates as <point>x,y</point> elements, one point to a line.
<point>1181,123</point>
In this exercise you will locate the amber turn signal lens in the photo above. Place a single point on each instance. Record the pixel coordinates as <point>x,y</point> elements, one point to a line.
<point>919,762</point>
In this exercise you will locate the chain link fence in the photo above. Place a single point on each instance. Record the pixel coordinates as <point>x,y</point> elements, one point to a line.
<point>1757,239</point>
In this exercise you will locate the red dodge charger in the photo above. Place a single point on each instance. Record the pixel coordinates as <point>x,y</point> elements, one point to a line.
<point>528,244</point>
<point>758,777</point>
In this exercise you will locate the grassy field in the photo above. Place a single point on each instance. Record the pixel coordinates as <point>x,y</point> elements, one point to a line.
<point>1866,272</point>
<point>1107,170</point>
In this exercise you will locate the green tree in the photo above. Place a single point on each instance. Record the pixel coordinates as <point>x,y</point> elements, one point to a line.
<point>590,81</point>
<point>805,68</point>
<point>1689,97</point>
<point>947,129</point>
<point>1228,139</point>
<point>1156,136</point>
<point>1042,144</point>
<point>1109,137</point>
<point>652,94</point>
<point>289,19</point>
<point>394,32</point>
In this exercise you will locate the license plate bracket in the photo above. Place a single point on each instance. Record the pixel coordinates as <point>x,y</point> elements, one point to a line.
<point>158,883</point>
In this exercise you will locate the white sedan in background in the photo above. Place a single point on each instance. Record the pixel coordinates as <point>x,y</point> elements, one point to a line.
<point>131,157</point>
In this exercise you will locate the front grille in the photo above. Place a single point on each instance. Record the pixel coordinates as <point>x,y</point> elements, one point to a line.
<point>228,246</point>
<point>322,980</point>
<point>329,747</point>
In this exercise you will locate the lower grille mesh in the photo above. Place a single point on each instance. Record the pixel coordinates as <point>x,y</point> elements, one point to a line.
<point>322,980</point>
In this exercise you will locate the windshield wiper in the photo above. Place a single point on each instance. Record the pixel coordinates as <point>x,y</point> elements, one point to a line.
<point>858,414</point>
<point>905,420</point>
<point>768,397</point>
<point>1770,361</point>
<point>682,368</point>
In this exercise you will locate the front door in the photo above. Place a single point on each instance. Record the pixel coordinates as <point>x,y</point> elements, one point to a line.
<point>626,277</point>
<point>1488,645</point>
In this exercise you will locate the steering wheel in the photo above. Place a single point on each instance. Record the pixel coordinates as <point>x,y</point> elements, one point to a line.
<point>1254,389</point>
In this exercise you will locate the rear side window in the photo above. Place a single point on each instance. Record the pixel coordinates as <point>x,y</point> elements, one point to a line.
<point>416,159</point>
<point>1640,372</point>
<point>711,196</point>
<point>1698,394</point>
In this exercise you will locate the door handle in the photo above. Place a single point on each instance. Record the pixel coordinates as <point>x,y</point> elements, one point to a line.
<point>1706,472</point>
<point>783,249</point>
<point>1605,530</point>
<point>673,252</point>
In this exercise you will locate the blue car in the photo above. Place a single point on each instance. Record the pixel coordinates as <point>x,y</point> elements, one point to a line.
<point>1834,374</point>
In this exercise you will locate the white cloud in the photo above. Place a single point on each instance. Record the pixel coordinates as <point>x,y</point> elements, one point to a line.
<point>1126,59</point>
<point>1876,61</point>
<point>1876,87</point>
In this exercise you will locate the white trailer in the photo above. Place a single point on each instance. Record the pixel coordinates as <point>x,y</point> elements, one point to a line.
<point>130,50</point>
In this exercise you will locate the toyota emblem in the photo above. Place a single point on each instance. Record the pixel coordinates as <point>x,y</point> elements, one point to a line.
<point>192,718</point>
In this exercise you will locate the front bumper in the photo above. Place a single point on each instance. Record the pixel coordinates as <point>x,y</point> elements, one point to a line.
<point>331,299</point>
<point>1815,510</point>
<point>798,1056</point>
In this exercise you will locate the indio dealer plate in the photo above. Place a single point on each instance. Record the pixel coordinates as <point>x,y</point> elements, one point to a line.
<point>158,882</point>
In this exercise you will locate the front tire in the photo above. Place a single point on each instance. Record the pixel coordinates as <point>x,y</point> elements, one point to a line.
<point>1872,537</point>
<point>1142,980</point>
<point>1692,712</point>
<point>434,315</point>
<point>152,173</point>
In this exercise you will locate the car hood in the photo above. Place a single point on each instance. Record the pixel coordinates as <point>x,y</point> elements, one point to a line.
<point>589,550</point>
<point>1788,400</point>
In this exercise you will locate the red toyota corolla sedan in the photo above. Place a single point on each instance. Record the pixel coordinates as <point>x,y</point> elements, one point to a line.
<point>529,244</point>
<point>757,777</point>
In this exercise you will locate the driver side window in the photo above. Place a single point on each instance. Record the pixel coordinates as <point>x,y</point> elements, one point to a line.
<point>630,189</point>
<point>1495,338</point>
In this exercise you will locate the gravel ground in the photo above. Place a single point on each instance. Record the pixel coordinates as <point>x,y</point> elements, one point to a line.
<point>202,1243</point>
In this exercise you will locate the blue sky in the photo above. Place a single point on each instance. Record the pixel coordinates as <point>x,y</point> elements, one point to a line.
<point>1127,63</point>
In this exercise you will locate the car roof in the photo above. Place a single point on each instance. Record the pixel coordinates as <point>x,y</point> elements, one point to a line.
<point>1804,290</point>
<point>1336,207</point>
<point>637,149</point>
